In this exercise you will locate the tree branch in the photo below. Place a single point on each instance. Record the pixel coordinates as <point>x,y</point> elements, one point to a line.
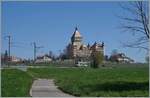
<point>137,23</point>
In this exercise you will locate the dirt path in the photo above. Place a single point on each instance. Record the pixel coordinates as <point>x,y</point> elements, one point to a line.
<point>46,88</point>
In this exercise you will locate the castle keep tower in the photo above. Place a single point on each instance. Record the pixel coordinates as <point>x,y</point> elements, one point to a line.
<point>76,42</point>
<point>76,39</point>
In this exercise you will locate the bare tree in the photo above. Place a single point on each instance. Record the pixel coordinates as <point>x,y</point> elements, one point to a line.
<point>136,21</point>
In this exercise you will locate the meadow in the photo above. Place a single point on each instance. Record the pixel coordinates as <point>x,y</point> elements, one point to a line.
<point>15,83</point>
<point>103,82</point>
<point>98,82</point>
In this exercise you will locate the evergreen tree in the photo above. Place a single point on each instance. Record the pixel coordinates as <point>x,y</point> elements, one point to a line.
<point>97,59</point>
<point>6,56</point>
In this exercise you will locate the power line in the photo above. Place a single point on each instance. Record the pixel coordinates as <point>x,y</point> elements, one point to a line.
<point>20,45</point>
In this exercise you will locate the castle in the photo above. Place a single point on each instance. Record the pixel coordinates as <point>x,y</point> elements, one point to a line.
<point>76,48</point>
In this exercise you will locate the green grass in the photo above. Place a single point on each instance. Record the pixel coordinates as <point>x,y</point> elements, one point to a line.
<point>107,81</point>
<point>98,82</point>
<point>15,83</point>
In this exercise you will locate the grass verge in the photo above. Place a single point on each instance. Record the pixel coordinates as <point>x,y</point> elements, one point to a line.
<point>15,83</point>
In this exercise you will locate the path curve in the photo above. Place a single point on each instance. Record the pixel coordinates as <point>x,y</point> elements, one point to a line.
<point>46,88</point>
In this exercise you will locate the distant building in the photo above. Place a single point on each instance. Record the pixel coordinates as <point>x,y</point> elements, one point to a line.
<point>15,59</point>
<point>76,49</point>
<point>42,59</point>
<point>3,58</point>
<point>121,57</point>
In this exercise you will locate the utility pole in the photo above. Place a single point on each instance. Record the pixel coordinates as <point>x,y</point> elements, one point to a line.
<point>9,45</point>
<point>34,45</point>
<point>35,49</point>
<point>9,42</point>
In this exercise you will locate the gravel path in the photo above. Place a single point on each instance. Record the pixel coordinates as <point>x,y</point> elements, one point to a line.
<point>46,88</point>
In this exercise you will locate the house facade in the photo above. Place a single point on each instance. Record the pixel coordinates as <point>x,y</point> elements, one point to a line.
<point>43,59</point>
<point>121,58</point>
<point>11,59</point>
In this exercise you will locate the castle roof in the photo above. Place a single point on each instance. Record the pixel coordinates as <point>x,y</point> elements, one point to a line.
<point>76,33</point>
<point>96,45</point>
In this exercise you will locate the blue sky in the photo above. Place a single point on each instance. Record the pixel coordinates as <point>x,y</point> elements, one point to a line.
<point>51,24</point>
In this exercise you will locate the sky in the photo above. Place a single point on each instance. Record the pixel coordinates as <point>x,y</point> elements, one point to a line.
<point>51,25</point>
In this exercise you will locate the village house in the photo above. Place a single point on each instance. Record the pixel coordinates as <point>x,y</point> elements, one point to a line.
<point>121,58</point>
<point>43,59</point>
<point>13,59</point>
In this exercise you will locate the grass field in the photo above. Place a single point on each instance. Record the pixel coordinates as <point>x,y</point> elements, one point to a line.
<point>98,82</point>
<point>15,83</point>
